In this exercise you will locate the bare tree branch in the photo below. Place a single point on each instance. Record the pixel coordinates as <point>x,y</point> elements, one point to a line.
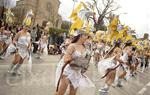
<point>99,13</point>
<point>108,6</point>
<point>103,1</point>
<point>118,7</point>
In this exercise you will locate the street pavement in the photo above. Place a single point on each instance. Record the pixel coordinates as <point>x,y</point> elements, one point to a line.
<point>41,80</point>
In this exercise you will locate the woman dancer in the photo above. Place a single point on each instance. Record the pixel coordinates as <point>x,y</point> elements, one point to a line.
<point>108,67</point>
<point>22,41</point>
<point>127,51</point>
<point>64,46</point>
<point>73,65</point>
<point>43,45</point>
<point>7,39</point>
<point>99,52</point>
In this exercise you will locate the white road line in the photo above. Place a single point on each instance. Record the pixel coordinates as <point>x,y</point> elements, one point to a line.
<point>148,84</point>
<point>141,92</point>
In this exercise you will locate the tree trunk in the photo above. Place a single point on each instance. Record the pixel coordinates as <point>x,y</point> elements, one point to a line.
<point>3,10</point>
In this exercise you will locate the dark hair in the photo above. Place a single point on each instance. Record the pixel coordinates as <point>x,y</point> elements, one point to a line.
<point>10,28</point>
<point>76,38</point>
<point>133,48</point>
<point>75,29</point>
<point>112,49</point>
<point>116,44</point>
<point>6,27</point>
<point>29,31</point>
<point>128,43</point>
<point>34,28</point>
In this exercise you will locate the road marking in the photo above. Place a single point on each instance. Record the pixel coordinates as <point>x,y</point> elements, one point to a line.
<point>141,92</point>
<point>148,84</point>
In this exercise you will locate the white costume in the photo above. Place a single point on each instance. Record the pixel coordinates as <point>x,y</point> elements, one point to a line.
<point>42,43</point>
<point>22,45</point>
<point>99,49</point>
<point>105,64</point>
<point>6,38</point>
<point>63,48</point>
<point>73,73</point>
<point>124,58</point>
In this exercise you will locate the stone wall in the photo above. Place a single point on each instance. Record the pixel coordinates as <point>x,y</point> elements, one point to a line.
<point>44,10</point>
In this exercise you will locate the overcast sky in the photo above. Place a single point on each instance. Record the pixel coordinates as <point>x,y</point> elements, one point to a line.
<point>137,17</point>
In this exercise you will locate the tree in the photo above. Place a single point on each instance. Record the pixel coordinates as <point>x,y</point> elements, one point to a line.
<point>106,8</point>
<point>65,25</point>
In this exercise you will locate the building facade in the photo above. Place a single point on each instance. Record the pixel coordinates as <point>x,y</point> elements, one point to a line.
<point>44,11</point>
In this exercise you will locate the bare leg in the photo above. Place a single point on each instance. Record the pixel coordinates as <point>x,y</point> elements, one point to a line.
<point>110,78</point>
<point>63,86</point>
<point>72,90</point>
<point>18,62</point>
<point>14,62</point>
<point>122,75</point>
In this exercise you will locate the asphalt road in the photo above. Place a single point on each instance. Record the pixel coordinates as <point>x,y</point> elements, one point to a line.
<point>41,81</point>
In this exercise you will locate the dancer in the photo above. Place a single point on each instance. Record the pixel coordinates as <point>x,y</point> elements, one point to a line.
<point>99,52</point>
<point>72,66</point>
<point>124,64</point>
<point>107,67</point>
<point>133,62</point>
<point>22,41</point>
<point>42,49</point>
<point>64,46</point>
<point>7,39</point>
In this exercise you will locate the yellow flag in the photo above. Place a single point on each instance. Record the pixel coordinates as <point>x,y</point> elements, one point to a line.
<point>113,35</point>
<point>76,10</point>
<point>84,5</point>
<point>88,27</point>
<point>27,21</point>
<point>113,24</point>
<point>128,37</point>
<point>77,24</point>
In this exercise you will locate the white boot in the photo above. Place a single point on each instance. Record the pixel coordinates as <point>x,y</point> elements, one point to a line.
<point>119,83</point>
<point>11,68</point>
<point>104,90</point>
<point>16,70</point>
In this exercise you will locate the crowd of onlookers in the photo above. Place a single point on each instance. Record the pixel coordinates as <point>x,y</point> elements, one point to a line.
<point>8,32</point>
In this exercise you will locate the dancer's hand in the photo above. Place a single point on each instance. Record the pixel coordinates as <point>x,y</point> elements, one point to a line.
<point>14,43</point>
<point>29,49</point>
<point>83,75</point>
<point>83,70</point>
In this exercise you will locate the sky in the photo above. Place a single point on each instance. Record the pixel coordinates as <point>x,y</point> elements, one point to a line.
<point>137,13</point>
